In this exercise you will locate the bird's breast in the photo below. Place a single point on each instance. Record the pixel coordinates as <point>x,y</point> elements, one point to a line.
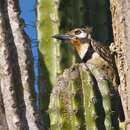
<point>81,48</point>
<point>102,64</point>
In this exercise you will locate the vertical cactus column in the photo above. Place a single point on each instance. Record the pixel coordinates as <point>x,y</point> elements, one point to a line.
<point>104,88</point>
<point>77,110</point>
<point>88,96</point>
<point>48,24</point>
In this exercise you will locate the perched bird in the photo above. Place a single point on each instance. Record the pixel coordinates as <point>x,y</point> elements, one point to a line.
<point>91,51</point>
<point>94,52</point>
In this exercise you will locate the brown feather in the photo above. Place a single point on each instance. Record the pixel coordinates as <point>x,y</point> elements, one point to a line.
<point>106,54</point>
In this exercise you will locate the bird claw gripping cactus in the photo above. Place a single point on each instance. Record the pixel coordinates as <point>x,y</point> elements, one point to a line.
<point>83,99</point>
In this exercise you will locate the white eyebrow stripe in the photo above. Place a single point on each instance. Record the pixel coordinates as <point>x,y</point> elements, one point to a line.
<point>81,35</point>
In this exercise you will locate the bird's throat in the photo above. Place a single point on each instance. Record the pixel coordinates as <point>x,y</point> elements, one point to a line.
<point>82,50</point>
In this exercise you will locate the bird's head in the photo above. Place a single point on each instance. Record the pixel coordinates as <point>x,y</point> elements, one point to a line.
<point>78,38</point>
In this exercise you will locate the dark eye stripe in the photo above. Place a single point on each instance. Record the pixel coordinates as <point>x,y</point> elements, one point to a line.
<point>77,32</point>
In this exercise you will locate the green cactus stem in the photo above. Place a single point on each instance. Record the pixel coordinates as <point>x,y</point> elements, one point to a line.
<point>67,106</point>
<point>48,24</point>
<point>49,51</point>
<point>88,96</point>
<point>105,88</point>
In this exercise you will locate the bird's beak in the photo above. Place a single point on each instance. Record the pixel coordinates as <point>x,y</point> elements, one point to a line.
<point>62,37</point>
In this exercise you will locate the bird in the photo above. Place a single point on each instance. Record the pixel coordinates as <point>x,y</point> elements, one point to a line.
<point>92,51</point>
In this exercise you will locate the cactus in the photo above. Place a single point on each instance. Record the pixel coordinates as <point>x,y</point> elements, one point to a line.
<point>54,57</point>
<point>83,100</point>
<point>89,97</point>
<point>49,53</point>
<point>68,94</point>
<point>110,99</point>
<point>48,24</point>
<point>104,88</point>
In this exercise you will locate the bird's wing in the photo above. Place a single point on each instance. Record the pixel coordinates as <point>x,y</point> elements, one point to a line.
<point>103,51</point>
<point>106,54</point>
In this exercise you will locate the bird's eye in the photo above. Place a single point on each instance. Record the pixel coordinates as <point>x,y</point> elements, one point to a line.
<point>77,32</point>
<point>80,34</point>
